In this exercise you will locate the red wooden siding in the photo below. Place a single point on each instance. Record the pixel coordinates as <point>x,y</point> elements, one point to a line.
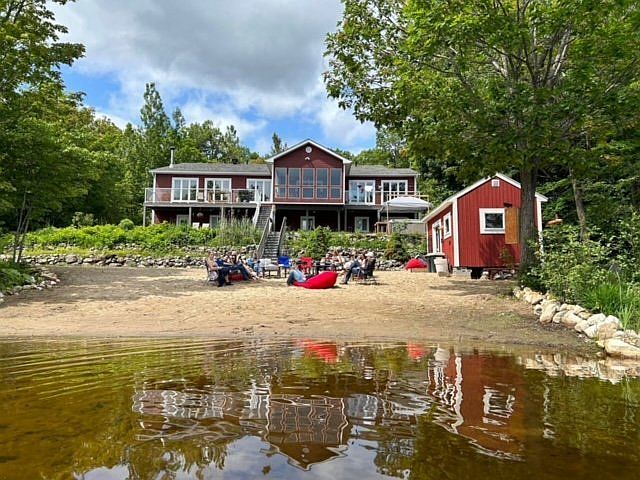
<point>447,243</point>
<point>484,250</point>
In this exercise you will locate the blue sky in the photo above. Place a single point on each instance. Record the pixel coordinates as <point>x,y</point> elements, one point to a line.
<point>256,64</point>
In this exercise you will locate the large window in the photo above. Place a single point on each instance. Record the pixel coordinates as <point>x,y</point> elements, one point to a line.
<point>217,189</point>
<point>491,220</point>
<point>393,189</point>
<point>261,189</point>
<point>336,183</point>
<point>184,189</point>
<point>308,183</point>
<point>362,191</point>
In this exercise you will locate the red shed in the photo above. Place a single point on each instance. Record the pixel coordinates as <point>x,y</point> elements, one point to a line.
<point>478,226</point>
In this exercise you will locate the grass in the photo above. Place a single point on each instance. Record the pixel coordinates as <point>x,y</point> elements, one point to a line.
<point>618,298</point>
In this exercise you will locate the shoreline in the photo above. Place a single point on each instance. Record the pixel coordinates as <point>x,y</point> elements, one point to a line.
<point>104,302</point>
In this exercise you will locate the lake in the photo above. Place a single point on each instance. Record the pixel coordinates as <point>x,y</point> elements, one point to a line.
<point>307,409</point>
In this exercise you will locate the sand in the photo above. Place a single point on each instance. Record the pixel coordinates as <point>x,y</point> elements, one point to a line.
<point>132,302</point>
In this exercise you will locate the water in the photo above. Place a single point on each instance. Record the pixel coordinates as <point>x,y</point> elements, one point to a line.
<point>160,409</point>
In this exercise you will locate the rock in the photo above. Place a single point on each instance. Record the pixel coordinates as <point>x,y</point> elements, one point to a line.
<point>597,318</point>
<point>619,348</point>
<point>606,330</point>
<point>70,259</point>
<point>584,314</point>
<point>615,320</point>
<point>570,319</point>
<point>549,309</point>
<point>559,316</point>
<point>582,325</point>
<point>533,298</point>
<point>537,309</point>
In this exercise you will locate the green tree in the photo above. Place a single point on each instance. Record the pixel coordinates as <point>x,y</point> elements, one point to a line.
<point>277,145</point>
<point>488,85</point>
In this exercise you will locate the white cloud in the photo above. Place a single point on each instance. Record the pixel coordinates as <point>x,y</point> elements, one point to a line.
<point>248,60</point>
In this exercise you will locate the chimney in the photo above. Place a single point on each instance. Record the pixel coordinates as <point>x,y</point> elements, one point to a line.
<point>173,151</point>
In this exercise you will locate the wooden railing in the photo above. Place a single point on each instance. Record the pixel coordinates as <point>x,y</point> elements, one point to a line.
<point>281,235</point>
<point>263,239</point>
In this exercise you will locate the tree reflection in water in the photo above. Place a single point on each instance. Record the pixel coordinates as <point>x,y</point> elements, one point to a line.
<point>165,409</point>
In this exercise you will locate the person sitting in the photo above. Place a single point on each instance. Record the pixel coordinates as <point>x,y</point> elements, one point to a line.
<point>354,268</point>
<point>221,272</point>
<point>250,271</point>
<point>366,272</point>
<point>296,275</point>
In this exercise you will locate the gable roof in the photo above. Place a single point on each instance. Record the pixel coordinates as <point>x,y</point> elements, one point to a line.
<point>216,168</point>
<point>308,141</point>
<point>470,188</point>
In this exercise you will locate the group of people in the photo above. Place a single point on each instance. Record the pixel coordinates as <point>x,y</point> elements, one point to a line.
<point>220,268</point>
<point>349,265</point>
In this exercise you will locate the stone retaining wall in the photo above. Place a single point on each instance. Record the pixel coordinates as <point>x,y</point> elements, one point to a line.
<point>606,330</point>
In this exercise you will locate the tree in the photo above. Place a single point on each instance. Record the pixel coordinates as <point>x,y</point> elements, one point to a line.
<point>277,145</point>
<point>501,85</point>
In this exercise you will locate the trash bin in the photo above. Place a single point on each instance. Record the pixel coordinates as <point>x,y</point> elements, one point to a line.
<point>431,260</point>
<point>442,266</point>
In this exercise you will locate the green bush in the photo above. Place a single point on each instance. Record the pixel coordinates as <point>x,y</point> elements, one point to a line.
<point>396,248</point>
<point>616,297</point>
<point>126,224</point>
<point>12,274</point>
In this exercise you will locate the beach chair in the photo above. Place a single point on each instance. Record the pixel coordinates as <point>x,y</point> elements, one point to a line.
<point>365,276</point>
<point>267,267</point>
<point>284,262</point>
<point>212,275</point>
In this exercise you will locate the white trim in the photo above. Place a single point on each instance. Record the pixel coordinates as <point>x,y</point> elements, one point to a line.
<point>173,189</point>
<point>355,223</point>
<point>383,191</point>
<point>206,190</point>
<point>470,188</point>
<point>539,215</point>
<point>435,226</point>
<point>306,217</point>
<point>153,212</point>
<point>483,228</point>
<point>311,142</point>
<point>456,236</point>
<point>446,234</point>
<point>366,183</point>
<point>261,180</point>
<point>183,216</point>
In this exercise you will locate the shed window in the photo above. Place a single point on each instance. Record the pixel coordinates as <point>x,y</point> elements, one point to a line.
<point>446,225</point>
<point>491,220</point>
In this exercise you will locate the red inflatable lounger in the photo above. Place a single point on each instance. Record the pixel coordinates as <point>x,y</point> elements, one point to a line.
<point>320,281</point>
<point>415,263</point>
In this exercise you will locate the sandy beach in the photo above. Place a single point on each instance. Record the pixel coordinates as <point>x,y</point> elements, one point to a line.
<point>130,302</point>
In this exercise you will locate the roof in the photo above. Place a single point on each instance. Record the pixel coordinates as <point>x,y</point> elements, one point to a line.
<point>218,168</point>
<point>308,141</point>
<point>461,193</point>
<point>406,204</point>
<point>380,171</point>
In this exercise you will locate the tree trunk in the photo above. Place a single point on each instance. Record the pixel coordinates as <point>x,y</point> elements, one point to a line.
<point>528,229</point>
<point>579,199</point>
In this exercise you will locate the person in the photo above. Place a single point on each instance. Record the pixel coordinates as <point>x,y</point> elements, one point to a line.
<point>296,275</point>
<point>354,268</point>
<point>252,274</point>
<point>213,265</point>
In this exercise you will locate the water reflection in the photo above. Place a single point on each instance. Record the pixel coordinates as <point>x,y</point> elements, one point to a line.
<point>309,409</point>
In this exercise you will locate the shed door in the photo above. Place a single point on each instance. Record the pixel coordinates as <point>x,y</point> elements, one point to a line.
<point>512,225</point>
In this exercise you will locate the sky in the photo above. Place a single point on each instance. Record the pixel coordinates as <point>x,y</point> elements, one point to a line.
<point>256,64</point>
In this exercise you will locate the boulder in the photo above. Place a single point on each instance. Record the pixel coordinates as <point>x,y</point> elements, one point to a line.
<point>70,259</point>
<point>533,298</point>
<point>619,348</point>
<point>597,318</point>
<point>559,316</point>
<point>570,319</point>
<point>549,309</point>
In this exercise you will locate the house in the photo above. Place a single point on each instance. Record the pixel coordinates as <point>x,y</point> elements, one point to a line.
<point>478,227</point>
<point>308,184</point>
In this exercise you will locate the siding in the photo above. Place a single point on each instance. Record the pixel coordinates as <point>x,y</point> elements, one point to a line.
<point>447,243</point>
<point>484,250</point>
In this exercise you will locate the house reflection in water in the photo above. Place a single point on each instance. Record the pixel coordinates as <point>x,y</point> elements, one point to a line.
<point>312,420</point>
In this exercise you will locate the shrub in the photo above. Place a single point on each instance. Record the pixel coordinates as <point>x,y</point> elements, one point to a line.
<point>81,219</point>
<point>126,224</point>
<point>396,248</point>
<point>12,274</point>
<point>616,297</point>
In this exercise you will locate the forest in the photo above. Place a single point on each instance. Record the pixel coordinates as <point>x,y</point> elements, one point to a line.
<point>546,92</point>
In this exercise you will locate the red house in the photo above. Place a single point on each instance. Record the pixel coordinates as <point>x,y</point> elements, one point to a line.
<point>308,184</point>
<point>478,227</point>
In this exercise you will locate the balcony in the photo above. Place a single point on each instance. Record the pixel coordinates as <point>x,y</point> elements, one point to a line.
<point>377,197</point>
<point>199,196</point>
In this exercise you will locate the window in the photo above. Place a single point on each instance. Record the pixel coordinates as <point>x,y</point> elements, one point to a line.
<point>217,189</point>
<point>322,181</point>
<point>261,188</point>
<point>281,182</point>
<point>182,220</point>
<point>393,189</point>
<point>294,183</point>
<point>336,183</point>
<point>307,223</point>
<point>446,226</point>
<point>361,191</point>
<point>436,236</point>
<point>362,224</point>
<point>214,220</point>
<point>491,220</point>
<point>307,182</point>
<point>184,189</point>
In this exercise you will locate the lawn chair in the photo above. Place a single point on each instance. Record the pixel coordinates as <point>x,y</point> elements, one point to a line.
<point>306,265</point>
<point>212,275</point>
<point>284,262</point>
<point>267,267</point>
<point>365,275</point>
